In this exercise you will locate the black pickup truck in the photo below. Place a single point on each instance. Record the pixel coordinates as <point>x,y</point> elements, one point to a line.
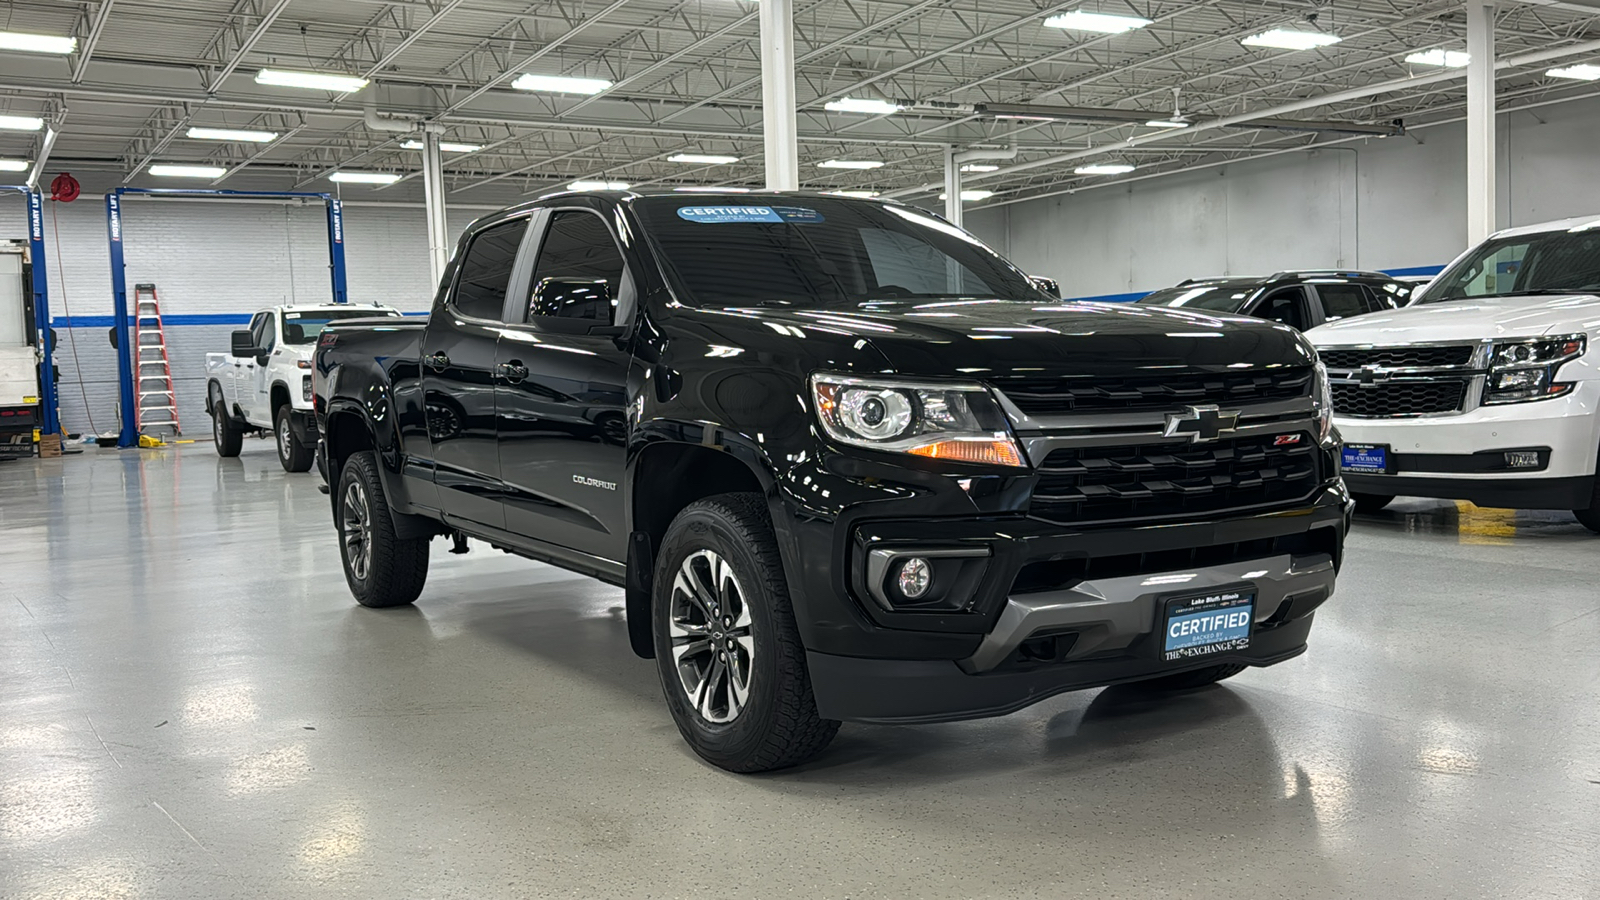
<point>847,463</point>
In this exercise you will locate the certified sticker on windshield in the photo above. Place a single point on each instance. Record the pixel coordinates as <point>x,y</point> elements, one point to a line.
<point>723,215</point>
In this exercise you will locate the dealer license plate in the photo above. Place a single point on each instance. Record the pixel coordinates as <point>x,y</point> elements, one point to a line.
<point>1365,459</point>
<point>1200,625</point>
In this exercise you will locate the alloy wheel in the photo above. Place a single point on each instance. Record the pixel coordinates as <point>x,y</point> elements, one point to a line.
<point>709,626</point>
<point>357,531</point>
<point>284,448</point>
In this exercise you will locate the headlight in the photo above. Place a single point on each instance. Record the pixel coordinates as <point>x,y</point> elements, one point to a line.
<point>1526,370</point>
<point>956,422</point>
<point>1322,396</point>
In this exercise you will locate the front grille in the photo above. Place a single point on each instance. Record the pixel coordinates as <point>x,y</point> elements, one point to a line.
<point>1398,357</point>
<point>1397,399</point>
<point>1148,481</point>
<point>1055,396</point>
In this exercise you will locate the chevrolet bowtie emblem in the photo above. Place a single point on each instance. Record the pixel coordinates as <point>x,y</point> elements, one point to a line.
<point>1372,376</point>
<point>1200,423</point>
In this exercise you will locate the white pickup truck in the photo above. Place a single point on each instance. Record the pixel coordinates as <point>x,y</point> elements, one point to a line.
<point>264,382</point>
<point>1482,389</point>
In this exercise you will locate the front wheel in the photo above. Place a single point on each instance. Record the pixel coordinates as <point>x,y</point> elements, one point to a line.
<point>727,648</point>
<point>295,456</point>
<point>382,568</point>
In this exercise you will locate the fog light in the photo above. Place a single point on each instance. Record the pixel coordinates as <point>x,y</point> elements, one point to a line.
<point>1522,459</point>
<point>914,578</point>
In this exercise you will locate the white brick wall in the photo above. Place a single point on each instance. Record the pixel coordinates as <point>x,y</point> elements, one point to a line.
<point>209,257</point>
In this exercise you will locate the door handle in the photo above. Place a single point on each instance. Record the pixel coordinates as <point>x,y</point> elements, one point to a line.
<point>438,362</point>
<point>513,372</point>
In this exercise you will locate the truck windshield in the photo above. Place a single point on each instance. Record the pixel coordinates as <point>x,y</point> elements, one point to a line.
<point>303,327</point>
<point>1211,297</point>
<point>1558,262</point>
<point>814,251</point>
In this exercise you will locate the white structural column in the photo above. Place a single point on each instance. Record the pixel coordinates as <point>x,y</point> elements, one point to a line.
<point>1480,121</point>
<point>777,95</point>
<point>433,200</point>
<point>952,186</point>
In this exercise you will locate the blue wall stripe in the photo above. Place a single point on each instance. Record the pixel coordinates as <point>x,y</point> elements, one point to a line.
<point>1415,270</point>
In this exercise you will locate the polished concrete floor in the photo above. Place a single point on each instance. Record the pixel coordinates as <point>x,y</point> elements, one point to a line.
<point>191,706</point>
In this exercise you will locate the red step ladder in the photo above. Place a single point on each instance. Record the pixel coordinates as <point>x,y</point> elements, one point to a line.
<point>155,405</point>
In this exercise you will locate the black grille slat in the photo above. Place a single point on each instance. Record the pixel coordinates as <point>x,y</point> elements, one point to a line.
<point>1056,396</point>
<point>1397,357</point>
<point>1147,481</point>
<point>1397,399</point>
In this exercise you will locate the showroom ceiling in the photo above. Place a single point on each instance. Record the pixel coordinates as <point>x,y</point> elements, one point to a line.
<point>684,79</point>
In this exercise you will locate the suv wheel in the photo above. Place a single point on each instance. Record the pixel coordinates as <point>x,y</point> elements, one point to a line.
<point>727,648</point>
<point>295,456</point>
<point>382,568</point>
<point>228,437</point>
<point>1371,503</point>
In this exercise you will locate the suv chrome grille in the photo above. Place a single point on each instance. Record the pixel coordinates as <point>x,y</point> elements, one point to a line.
<point>1399,357</point>
<point>1398,399</point>
<point>1058,396</point>
<point>1080,485</point>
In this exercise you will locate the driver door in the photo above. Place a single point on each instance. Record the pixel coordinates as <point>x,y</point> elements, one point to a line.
<point>1286,306</point>
<point>258,402</point>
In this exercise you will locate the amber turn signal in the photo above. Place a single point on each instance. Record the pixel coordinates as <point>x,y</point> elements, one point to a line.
<point>990,452</point>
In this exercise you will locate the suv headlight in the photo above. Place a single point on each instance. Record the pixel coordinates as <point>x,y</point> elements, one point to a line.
<point>1322,397</point>
<point>1525,370</point>
<point>956,422</point>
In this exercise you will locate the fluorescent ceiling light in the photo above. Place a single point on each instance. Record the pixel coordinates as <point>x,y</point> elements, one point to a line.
<point>1450,59</point>
<point>1021,118</point>
<point>850,164</point>
<point>175,171</point>
<point>14,165</point>
<point>1284,39</point>
<point>316,81</point>
<point>365,177</point>
<point>871,107</point>
<point>970,196</point>
<point>1582,72</point>
<point>446,146</point>
<point>598,186</point>
<point>560,84</point>
<point>707,159</point>
<point>860,195</point>
<point>21,123</point>
<point>229,134</point>
<point>1104,169</point>
<point>1103,23</point>
<point>1167,123</point>
<point>36,43</point>
<point>980,167</point>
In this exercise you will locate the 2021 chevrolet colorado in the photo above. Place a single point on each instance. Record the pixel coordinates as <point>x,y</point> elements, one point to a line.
<point>846,461</point>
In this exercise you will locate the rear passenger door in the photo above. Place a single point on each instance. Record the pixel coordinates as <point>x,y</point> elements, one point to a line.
<point>458,359</point>
<point>1341,301</point>
<point>1287,306</point>
<point>562,387</point>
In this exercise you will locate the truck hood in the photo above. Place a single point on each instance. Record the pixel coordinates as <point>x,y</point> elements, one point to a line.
<point>1465,320</point>
<point>998,339</point>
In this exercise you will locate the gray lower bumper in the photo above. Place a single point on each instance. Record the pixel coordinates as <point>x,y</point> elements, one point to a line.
<point>1111,613</point>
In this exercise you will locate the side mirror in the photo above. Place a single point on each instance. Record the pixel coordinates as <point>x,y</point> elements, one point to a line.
<point>585,299</point>
<point>1048,285</point>
<point>244,343</point>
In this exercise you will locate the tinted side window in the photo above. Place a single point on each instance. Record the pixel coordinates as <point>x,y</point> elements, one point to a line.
<point>1340,301</point>
<point>578,254</point>
<point>266,331</point>
<point>486,270</point>
<point>1286,306</point>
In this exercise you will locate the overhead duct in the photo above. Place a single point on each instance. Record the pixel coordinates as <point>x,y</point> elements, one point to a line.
<point>377,121</point>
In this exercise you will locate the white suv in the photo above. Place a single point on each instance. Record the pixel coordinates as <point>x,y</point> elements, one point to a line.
<point>1483,388</point>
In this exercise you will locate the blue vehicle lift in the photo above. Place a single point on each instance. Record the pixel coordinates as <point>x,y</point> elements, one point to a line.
<point>129,437</point>
<point>49,412</point>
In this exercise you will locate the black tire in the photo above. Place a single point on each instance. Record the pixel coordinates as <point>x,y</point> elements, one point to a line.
<point>382,568</point>
<point>1591,517</point>
<point>1194,678</point>
<point>295,456</point>
<point>1371,503</point>
<point>776,724</point>
<point>227,435</point>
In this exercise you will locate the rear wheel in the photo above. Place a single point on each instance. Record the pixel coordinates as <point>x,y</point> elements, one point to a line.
<point>382,568</point>
<point>295,456</point>
<point>227,436</point>
<point>727,648</point>
<point>1194,678</point>
<point>1371,503</point>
